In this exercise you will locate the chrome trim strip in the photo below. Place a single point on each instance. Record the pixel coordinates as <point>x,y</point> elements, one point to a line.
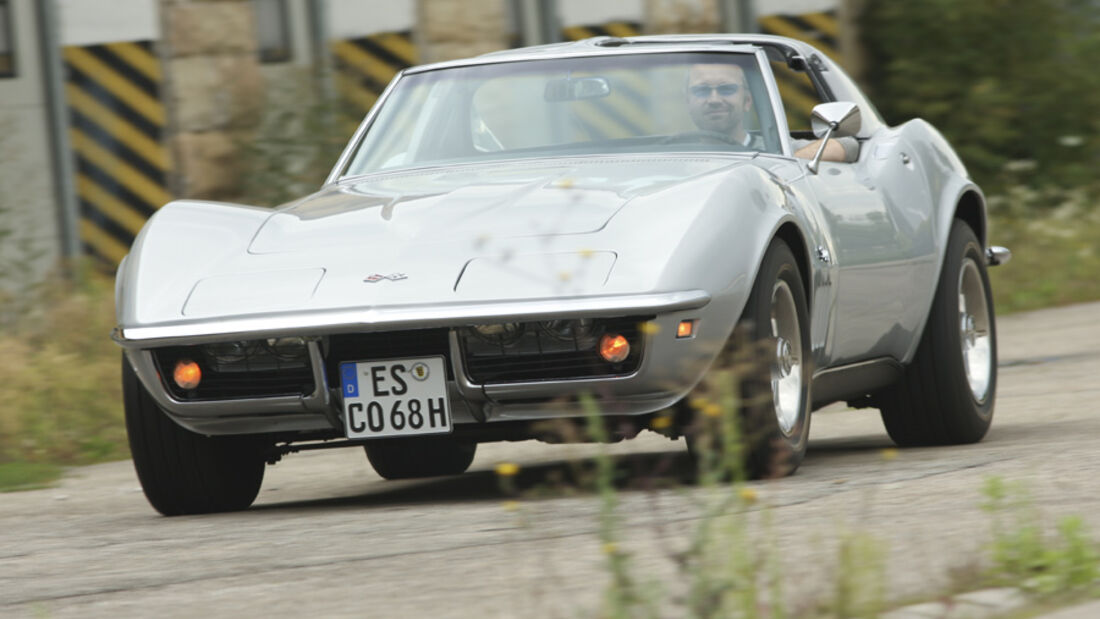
<point>144,366</point>
<point>580,50</point>
<point>471,392</point>
<point>353,144</point>
<point>552,388</point>
<point>402,316</point>
<point>778,113</point>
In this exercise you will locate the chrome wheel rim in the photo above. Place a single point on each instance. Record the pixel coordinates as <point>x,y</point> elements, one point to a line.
<point>974,331</point>
<point>787,366</point>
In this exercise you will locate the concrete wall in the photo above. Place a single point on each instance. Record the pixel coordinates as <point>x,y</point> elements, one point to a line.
<point>27,193</point>
<point>215,89</point>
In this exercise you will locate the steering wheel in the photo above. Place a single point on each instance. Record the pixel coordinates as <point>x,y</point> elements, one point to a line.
<point>702,135</point>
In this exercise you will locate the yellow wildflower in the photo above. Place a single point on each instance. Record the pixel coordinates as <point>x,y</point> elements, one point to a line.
<point>748,495</point>
<point>507,469</point>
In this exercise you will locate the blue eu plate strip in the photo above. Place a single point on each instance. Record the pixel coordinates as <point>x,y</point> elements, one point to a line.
<point>350,382</point>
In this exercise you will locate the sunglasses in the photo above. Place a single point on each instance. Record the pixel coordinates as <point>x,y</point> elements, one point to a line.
<point>724,90</point>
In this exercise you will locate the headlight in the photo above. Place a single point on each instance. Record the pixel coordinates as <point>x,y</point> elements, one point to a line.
<point>256,355</point>
<point>576,331</point>
<point>286,348</point>
<point>230,353</point>
<point>502,333</point>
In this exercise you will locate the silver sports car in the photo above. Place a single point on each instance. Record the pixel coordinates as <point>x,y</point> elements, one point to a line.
<point>506,233</point>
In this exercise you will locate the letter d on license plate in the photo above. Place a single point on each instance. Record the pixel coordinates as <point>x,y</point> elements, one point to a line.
<point>395,397</point>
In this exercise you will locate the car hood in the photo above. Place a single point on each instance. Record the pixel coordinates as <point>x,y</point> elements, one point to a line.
<point>469,234</point>
<point>468,204</point>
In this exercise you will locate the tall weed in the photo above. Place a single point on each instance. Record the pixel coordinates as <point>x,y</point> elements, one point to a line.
<point>60,394</point>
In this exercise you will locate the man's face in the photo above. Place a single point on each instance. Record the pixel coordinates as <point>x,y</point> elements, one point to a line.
<point>718,98</point>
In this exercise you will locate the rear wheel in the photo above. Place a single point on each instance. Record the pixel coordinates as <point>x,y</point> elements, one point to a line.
<point>946,394</point>
<point>410,458</point>
<point>775,402</point>
<point>186,473</point>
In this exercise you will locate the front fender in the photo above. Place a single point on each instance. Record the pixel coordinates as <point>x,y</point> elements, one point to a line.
<point>180,243</point>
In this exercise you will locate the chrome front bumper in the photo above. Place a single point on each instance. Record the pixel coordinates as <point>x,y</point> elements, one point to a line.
<point>668,369</point>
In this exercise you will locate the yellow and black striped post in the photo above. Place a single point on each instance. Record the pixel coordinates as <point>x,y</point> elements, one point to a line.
<point>818,29</point>
<point>364,66</point>
<point>116,129</point>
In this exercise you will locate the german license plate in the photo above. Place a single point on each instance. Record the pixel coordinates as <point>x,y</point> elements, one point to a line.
<point>395,397</point>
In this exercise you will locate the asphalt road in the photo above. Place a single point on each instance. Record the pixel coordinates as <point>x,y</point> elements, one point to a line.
<point>328,537</point>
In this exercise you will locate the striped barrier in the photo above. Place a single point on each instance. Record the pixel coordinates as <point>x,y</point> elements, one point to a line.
<point>116,124</point>
<point>364,66</point>
<point>818,29</point>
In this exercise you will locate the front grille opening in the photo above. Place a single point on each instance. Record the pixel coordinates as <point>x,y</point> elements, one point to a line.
<point>380,345</point>
<point>240,369</point>
<point>548,350</point>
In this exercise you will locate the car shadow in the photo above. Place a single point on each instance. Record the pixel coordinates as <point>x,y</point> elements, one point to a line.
<point>576,477</point>
<point>563,478</point>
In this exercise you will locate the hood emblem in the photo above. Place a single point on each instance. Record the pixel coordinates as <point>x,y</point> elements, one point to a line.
<point>377,277</point>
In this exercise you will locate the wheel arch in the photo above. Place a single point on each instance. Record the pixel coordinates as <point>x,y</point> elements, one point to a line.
<point>790,234</point>
<point>970,208</point>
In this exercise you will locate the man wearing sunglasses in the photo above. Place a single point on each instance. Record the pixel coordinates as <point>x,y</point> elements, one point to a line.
<point>718,100</point>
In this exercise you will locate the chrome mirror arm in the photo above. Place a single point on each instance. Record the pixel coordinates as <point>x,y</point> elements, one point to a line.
<point>816,161</point>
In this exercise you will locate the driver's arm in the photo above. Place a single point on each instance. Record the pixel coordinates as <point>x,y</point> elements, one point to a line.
<point>841,150</point>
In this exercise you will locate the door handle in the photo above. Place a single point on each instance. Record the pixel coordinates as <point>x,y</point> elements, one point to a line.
<point>905,158</point>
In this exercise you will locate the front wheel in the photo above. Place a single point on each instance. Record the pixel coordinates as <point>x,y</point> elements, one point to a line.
<point>775,399</point>
<point>946,395</point>
<point>410,458</point>
<point>186,473</point>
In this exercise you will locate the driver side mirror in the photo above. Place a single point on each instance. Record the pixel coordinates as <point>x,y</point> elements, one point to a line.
<point>833,120</point>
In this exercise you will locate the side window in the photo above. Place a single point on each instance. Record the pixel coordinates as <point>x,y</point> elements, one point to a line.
<point>7,42</point>
<point>799,98</point>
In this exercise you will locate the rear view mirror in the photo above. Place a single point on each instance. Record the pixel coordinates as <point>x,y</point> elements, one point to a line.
<point>840,116</point>
<point>838,119</point>
<point>576,89</point>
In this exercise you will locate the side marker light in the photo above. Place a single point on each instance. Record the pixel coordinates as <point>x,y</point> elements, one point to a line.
<point>686,328</point>
<point>614,348</point>
<point>187,374</point>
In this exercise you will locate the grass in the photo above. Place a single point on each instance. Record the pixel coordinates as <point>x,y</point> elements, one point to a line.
<point>1055,241</point>
<point>16,476</point>
<point>60,400</point>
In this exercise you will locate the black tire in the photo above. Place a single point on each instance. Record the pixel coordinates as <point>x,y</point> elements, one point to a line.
<point>183,472</point>
<point>410,458</point>
<point>770,450</point>
<point>933,403</point>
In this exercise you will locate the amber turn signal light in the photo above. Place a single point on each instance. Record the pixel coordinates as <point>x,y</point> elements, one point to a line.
<point>614,348</point>
<point>187,374</point>
<point>686,328</point>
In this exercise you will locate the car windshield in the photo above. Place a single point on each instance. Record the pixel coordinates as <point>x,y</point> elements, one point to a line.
<point>631,103</point>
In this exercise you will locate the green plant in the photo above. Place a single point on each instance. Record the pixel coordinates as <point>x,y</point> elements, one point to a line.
<point>1024,555</point>
<point>299,137</point>
<point>60,400</point>
<point>1054,235</point>
<point>1006,81</point>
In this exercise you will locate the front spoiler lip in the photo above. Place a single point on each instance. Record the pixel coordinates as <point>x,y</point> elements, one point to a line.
<point>401,317</point>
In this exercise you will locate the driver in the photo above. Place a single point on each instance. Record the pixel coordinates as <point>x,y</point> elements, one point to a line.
<point>718,99</point>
